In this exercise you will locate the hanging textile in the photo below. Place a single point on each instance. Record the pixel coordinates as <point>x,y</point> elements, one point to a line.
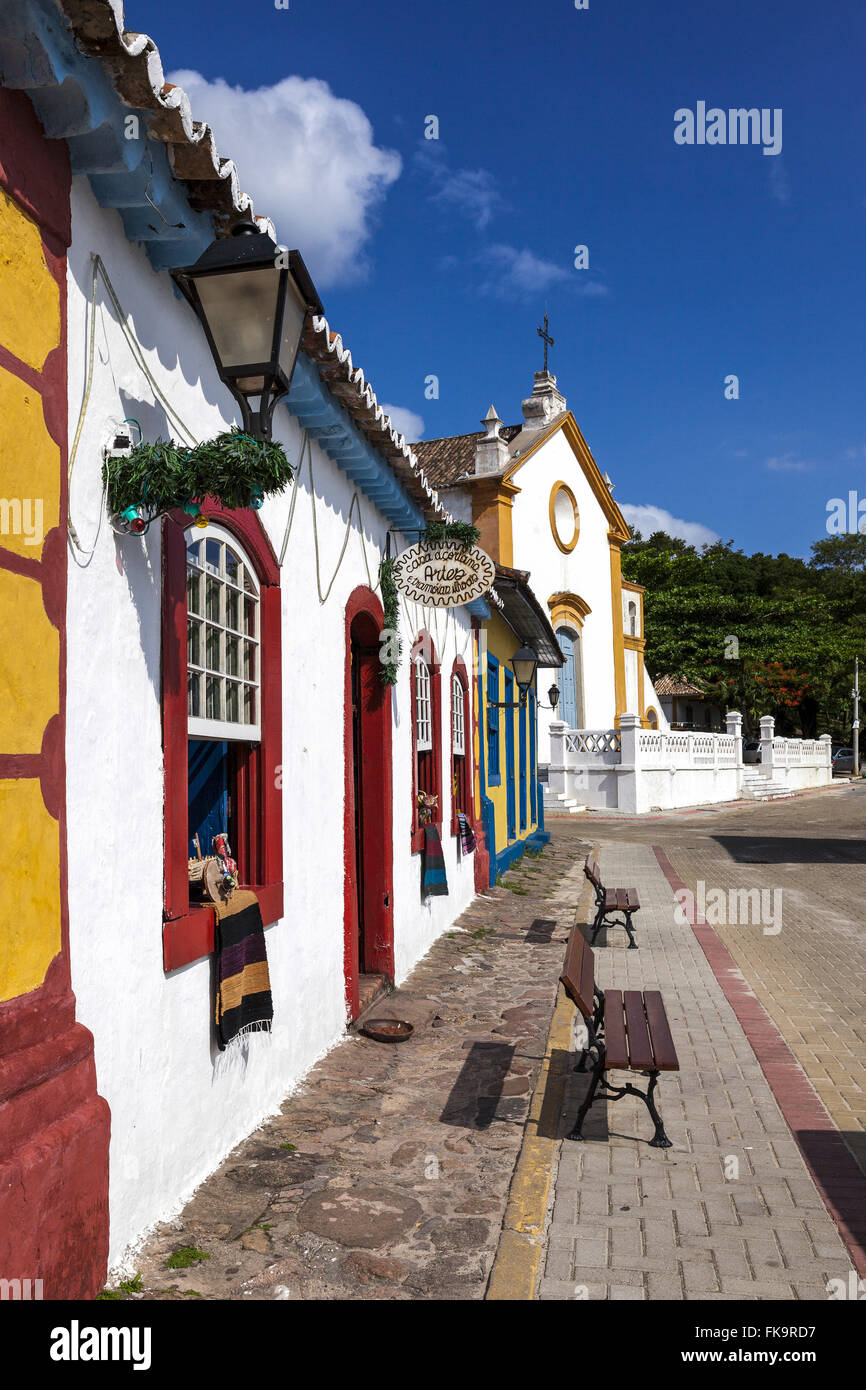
<point>467,834</point>
<point>433,881</point>
<point>243,998</point>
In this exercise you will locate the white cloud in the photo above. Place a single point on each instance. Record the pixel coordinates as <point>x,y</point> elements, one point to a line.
<point>786,463</point>
<point>513,272</point>
<point>472,191</point>
<point>517,273</point>
<point>405,422</point>
<point>308,160</point>
<point>647,519</point>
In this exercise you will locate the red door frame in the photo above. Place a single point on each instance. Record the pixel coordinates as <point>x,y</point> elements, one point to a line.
<point>364,612</point>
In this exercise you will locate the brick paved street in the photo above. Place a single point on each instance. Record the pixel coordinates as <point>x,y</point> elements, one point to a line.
<point>811,975</point>
<point>632,1222</point>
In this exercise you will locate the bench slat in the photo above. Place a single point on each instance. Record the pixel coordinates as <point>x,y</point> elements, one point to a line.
<point>639,1047</point>
<point>633,899</point>
<point>660,1034</point>
<point>616,1046</point>
<point>587,976</point>
<point>590,868</point>
<point>578,972</point>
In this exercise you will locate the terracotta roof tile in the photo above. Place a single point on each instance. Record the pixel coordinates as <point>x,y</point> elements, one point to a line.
<point>446,460</point>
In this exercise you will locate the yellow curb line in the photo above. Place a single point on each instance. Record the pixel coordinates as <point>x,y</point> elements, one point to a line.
<point>516,1266</point>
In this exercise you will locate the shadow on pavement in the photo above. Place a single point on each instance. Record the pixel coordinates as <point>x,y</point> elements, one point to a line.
<point>476,1096</point>
<point>780,849</point>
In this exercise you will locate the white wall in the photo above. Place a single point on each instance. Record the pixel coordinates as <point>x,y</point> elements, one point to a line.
<point>176,1108</point>
<point>584,571</point>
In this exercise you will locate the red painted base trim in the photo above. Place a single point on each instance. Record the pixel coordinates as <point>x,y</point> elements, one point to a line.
<point>836,1172</point>
<point>54,1138</point>
<point>190,938</point>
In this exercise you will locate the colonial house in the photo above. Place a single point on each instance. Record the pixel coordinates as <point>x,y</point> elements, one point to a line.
<point>686,706</point>
<point>209,671</point>
<point>542,505</point>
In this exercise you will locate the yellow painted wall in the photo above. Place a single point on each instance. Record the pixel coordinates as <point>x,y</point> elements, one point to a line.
<point>502,644</point>
<point>30,667</point>
<point>29,295</point>
<point>29,887</point>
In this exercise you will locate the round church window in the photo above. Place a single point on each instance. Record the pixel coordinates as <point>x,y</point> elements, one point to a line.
<point>564,517</point>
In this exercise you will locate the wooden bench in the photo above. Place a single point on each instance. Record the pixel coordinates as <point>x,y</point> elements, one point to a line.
<point>609,901</point>
<point>627,1030</point>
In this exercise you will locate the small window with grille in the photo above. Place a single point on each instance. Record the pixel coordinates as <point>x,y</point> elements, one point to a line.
<point>423,712</point>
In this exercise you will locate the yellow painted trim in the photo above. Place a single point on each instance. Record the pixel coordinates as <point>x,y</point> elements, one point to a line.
<point>568,608</point>
<point>570,428</point>
<point>635,588</point>
<point>634,644</point>
<point>561,487</point>
<point>518,1261</point>
<point>492,504</point>
<point>616,624</point>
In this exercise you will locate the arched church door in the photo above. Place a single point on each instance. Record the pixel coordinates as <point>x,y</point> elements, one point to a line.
<point>567,708</point>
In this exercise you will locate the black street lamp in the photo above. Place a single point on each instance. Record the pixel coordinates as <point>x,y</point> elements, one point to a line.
<point>252,298</point>
<point>523,664</point>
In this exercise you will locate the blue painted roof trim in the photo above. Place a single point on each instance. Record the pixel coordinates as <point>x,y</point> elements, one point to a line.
<point>76,102</point>
<point>330,425</point>
<point>479,608</point>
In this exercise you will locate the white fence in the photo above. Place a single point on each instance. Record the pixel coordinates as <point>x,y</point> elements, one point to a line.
<point>635,769</point>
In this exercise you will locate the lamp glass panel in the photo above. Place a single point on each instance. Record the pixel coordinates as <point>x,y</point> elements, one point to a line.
<point>293,327</point>
<point>240,306</point>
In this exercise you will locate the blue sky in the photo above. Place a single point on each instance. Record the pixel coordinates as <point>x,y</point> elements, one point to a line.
<point>556,129</point>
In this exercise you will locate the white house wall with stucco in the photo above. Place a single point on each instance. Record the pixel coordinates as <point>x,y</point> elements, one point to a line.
<point>178,1106</point>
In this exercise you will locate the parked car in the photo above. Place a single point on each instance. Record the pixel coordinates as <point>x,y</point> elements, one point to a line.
<point>751,750</point>
<point>843,760</point>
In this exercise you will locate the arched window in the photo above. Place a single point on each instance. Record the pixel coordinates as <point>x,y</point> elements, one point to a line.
<point>223,635</point>
<point>426,738</point>
<point>652,718</point>
<point>632,618</point>
<point>221,715</point>
<point>461,731</point>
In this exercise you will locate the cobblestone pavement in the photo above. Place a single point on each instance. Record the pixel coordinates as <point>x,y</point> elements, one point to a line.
<point>387,1173</point>
<point>631,1222</point>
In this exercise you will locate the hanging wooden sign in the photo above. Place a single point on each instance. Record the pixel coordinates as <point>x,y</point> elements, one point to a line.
<point>444,575</point>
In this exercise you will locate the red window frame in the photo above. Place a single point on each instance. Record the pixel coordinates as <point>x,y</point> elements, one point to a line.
<point>427,764</point>
<point>188,930</point>
<point>461,777</point>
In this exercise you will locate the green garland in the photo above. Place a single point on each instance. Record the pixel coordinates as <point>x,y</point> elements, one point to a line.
<point>391,606</point>
<point>460,531</point>
<point>234,468</point>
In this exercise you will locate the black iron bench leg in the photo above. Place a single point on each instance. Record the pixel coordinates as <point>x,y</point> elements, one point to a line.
<point>659,1140</point>
<point>632,944</point>
<point>597,1071</point>
<point>597,925</point>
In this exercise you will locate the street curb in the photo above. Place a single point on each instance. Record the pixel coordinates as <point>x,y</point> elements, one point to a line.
<point>516,1265</point>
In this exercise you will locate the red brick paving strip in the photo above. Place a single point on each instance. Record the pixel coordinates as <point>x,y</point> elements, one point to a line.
<point>833,1167</point>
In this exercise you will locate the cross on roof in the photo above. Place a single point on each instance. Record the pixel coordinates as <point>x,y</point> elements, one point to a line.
<point>548,341</point>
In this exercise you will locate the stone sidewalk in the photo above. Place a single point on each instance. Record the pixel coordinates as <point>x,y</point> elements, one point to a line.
<point>387,1173</point>
<point>731,1211</point>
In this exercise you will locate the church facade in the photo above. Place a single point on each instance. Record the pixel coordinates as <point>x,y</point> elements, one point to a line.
<point>543,506</point>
